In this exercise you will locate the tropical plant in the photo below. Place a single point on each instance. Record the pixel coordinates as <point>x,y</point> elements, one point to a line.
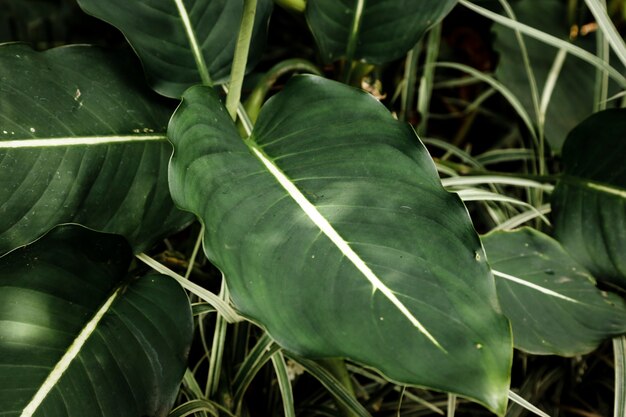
<point>339,242</point>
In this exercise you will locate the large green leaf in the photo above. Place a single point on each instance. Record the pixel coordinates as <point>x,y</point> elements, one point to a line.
<point>79,337</point>
<point>81,140</point>
<point>377,31</point>
<point>551,300</point>
<point>335,234</point>
<point>183,42</point>
<point>589,201</point>
<point>572,99</point>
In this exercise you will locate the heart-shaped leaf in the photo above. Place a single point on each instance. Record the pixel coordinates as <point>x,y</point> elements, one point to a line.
<point>589,201</point>
<point>183,42</point>
<point>334,233</point>
<point>81,141</point>
<point>376,31</point>
<point>79,338</point>
<point>551,300</point>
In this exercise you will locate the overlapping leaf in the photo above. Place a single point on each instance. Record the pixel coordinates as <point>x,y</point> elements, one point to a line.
<point>589,201</point>
<point>377,30</point>
<point>81,140</point>
<point>551,300</point>
<point>183,42</point>
<point>335,234</point>
<point>78,338</point>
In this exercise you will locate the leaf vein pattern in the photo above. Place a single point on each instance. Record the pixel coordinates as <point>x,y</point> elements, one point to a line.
<point>315,216</point>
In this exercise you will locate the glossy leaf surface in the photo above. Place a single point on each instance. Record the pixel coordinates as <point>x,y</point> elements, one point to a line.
<point>183,42</point>
<point>334,233</point>
<point>551,300</point>
<point>79,338</point>
<point>81,141</point>
<point>589,201</point>
<point>379,30</point>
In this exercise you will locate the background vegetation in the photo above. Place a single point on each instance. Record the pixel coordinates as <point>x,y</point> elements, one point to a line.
<point>520,106</point>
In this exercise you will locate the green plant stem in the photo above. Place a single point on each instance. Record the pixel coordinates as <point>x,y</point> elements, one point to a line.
<point>619,354</point>
<point>241,57</point>
<point>337,367</point>
<point>293,5</point>
<point>451,405</point>
<point>352,40</point>
<point>255,99</point>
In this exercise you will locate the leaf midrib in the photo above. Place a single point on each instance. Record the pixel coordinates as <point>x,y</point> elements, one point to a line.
<point>193,42</point>
<point>70,141</point>
<point>68,357</point>
<point>325,227</point>
<point>597,186</point>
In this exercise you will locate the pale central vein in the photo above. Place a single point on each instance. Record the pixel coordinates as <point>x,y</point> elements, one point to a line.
<point>609,190</point>
<point>534,286</point>
<point>320,221</point>
<point>193,42</point>
<point>75,141</point>
<point>66,360</point>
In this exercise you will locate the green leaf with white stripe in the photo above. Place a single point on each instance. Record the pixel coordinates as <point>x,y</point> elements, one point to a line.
<point>335,234</point>
<point>589,201</point>
<point>552,301</point>
<point>376,31</point>
<point>183,42</point>
<point>82,140</point>
<point>79,336</point>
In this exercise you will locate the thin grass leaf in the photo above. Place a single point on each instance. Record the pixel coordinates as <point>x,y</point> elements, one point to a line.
<point>601,86</point>
<point>284,383</point>
<point>256,359</point>
<point>522,218</point>
<point>460,153</point>
<point>217,348</point>
<point>532,82</point>
<point>428,76</point>
<point>220,305</point>
<point>528,406</point>
<point>608,28</point>
<point>407,87</point>
<point>495,179</point>
<point>456,82</point>
<point>553,77</point>
<point>548,39</point>
<point>191,384</point>
<point>473,194</point>
<point>333,386</point>
<point>504,155</point>
<point>194,406</point>
<point>501,88</point>
<point>445,170</point>
<point>194,253</point>
<point>619,354</point>
<point>202,308</point>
